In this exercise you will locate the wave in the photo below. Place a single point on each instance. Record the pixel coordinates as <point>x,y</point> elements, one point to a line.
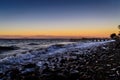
<point>8,48</point>
<point>36,56</point>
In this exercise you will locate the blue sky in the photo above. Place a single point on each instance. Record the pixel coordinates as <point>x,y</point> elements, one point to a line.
<point>59,17</point>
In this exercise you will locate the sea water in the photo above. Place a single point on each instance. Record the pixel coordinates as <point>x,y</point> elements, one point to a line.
<point>26,45</point>
<point>36,51</point>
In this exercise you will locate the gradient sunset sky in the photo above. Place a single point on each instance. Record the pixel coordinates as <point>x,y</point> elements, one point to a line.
<point>67,18</point>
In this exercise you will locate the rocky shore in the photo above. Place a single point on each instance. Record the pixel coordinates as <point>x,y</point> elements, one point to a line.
<point>101,63</point>
<point>7,48</point>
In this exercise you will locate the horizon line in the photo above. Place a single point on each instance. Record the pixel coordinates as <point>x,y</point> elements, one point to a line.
<point>46,37</point>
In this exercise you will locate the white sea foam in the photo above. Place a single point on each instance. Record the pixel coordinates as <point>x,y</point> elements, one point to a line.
<point>37,55</point>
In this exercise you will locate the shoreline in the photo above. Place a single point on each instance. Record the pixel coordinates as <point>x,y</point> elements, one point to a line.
<point>99,64</point>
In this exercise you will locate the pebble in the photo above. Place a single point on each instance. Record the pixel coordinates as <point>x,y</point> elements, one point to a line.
<point>96,66</point>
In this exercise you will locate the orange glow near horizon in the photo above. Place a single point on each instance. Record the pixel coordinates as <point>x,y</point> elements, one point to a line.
<point>58,29</point>
<point>63,33</point>
<point>59,18</point>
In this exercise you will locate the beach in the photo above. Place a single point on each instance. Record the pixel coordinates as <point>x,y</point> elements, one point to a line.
<point>92,61</point>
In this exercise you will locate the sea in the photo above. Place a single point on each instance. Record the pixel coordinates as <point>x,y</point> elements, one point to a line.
<point>16,52</point>
<point>27,45</point>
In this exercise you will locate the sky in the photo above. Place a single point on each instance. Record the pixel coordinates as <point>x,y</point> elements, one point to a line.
<point>59,18</point>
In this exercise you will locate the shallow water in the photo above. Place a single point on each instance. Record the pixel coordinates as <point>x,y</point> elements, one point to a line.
<point>36,51</point>
<point>28,45</point>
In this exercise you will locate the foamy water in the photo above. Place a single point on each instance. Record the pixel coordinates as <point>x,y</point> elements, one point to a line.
<point>28,45</point>
<point>38,50</point>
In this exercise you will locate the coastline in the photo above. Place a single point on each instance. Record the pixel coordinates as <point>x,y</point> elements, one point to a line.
<point>102,63</point>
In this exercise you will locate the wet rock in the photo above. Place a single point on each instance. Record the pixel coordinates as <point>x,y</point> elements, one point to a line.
<point>30,65</point>
<point>1,74</point>
<point>98,65</point>
<point>8,48</point>
<point>118,71</point>
<point>33,44</point>
<point>108,65</point>
<point>13,74</point>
